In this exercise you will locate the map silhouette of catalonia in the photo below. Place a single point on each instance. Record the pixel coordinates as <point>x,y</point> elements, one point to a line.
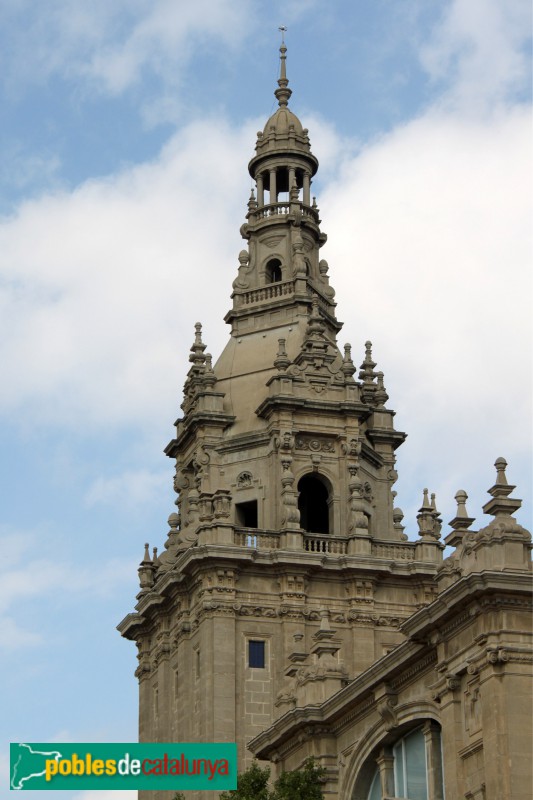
<point>28,763</point>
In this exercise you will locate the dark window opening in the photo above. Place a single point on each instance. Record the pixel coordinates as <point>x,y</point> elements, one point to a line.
<point>256,654</point>
<point>273,271</point>
<point>246,514</point>
<point>313,505</point>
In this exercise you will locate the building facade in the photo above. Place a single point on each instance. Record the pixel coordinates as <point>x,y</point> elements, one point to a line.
<point>287,583</point>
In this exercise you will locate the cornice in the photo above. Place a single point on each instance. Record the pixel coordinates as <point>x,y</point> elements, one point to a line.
<point>462,592</point>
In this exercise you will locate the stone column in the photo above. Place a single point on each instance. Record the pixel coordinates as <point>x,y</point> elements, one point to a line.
<point>292,178</point>
<point>273,189</point>
<point>260,191</point>
<point>307,189</point>
<point>385,762</point>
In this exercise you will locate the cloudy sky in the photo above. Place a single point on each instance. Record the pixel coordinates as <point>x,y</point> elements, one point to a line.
<point>126,132</point>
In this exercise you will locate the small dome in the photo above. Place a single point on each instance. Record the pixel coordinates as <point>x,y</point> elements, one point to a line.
<point>281,121</point>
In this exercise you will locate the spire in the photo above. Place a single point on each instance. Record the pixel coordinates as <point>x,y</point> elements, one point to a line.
<point>283,92</point>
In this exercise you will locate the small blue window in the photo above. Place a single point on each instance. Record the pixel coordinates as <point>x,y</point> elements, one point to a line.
<point>256,654</point>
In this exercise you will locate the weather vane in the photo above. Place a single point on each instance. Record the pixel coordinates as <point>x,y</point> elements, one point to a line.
<point>283,30</point>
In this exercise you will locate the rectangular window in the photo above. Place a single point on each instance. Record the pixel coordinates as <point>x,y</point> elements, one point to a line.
<point>246,514</point>
<point>256,654</point>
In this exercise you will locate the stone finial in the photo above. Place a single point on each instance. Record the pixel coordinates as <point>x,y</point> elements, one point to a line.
<point>282,360</point>
<point>367,375</point>
<point>197,350</point>
<point>146,557</point>
<point>174,522</point>
<point>367,367</point>
<point>380,395</point>
<point>348,367</point>
<point>436,515</point>
<point>426,505</point>
<point>461,521</point>
<point>209,376</point>
<point>501,504</point>
<point>397,518</point>
<point>428,518</point>
<point>155,559</point>
<point>146,571</point>
<point>252,202</point>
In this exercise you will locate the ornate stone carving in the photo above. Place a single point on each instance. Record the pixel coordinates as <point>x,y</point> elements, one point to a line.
<point>244,480</point>
<point>315,444</point>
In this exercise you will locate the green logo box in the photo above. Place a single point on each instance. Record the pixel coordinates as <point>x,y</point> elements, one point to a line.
<point>163,765</point>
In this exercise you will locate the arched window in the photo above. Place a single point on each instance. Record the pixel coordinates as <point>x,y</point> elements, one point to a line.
<point>415,766</point>
<point>273,271</point>
<point>313,504</point>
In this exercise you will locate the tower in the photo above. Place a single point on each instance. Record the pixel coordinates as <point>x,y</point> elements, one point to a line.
<point>286,572</point>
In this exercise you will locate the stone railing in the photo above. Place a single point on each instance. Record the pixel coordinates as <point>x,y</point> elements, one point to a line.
<point>272,210</point>
<point>277,209</point>
<point>325,544</point>
<point>270,292</point>
<point>256,538</point>
<point>394,551</point>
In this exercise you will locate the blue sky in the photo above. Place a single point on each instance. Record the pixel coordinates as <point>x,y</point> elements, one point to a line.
<point>126,131</point>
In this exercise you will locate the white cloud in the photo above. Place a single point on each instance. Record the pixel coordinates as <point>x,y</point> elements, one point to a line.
<point>130,489</point>
<point>14,637</point>
<point>113,44</point>
<point>100,286</point>
<point>26,580</point>
<point>430,251</point>
<point>478,45</point>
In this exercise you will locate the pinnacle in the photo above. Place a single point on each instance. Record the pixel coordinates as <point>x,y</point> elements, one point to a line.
<point>283,92</point>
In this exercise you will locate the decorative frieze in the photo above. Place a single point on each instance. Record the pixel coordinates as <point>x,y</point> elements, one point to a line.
<point>315,444</point>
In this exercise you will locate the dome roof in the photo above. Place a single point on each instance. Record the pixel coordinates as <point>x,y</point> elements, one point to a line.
<point>281,122</point>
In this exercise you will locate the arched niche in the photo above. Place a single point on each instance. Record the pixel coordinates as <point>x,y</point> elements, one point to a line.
<point>315,503</point>
<point>273,272</point>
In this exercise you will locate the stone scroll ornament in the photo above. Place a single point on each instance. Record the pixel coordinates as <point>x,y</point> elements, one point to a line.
<point>357,518</point>
<point>290,515</point>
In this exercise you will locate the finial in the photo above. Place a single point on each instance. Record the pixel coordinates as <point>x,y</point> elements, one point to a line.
<point>252,202</point>
<point>380,394</point>
<point>461,521</point>
<point>348,367</point>
<point>283,92</point>
<point>501,504</point>
<point>146,557</point>
<point>367,375</point>
<point>197,349</point>
<point>501,488</point>
<point>397,517</point>
<point>428,518</point>
<point>426,505</point>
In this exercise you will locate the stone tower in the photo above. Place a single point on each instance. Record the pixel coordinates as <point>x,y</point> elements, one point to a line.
<point>286,572</point>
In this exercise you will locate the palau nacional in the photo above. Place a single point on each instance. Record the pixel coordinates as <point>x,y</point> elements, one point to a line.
<point>288,611</point>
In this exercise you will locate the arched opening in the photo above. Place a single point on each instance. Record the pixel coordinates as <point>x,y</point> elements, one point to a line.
<point>408,766</point>
<point>313,504</point>
<point>273,271</point>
